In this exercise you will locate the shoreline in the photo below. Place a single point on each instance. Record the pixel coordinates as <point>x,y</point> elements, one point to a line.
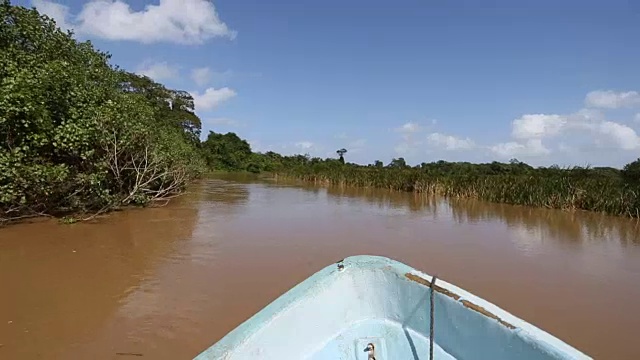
<point>611,198</point>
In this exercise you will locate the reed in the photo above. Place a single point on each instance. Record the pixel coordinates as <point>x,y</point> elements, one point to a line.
<point>565,189</point>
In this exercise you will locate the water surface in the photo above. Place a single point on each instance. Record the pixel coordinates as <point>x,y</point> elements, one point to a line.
<point>167,282</point>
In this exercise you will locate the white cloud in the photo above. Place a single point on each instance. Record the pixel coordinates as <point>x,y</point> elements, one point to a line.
<point>409,128</point>
<point>598,130</point>
<point>585,119</point>
<point>537,126</point>
<point>529,148</point>
<point>622,136</point>
<point>257,146</point>
<point>539,135</point>
<point>158,71</point>
<point>57,12</point>
<point>408,144</point>
<point>304,145</point>
<point>211,98</point>
<point>176,21</point>
<point>609,99</point>
<point>585,124</point>
<point>449,142</point>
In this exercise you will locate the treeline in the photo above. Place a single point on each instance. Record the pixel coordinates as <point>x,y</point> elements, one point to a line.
<point>82,136</point>
<point>228,152</point>
<point>601,189</point>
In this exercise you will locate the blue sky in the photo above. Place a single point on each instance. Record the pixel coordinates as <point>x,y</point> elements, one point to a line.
<point>547,82</point>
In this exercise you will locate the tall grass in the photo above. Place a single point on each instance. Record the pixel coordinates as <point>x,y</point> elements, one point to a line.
<point>564,190</point>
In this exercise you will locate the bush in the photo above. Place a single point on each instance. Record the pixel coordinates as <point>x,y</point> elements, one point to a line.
<point>79,135</point>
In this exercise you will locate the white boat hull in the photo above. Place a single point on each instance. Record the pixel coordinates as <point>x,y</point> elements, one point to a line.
<point>337,312</point>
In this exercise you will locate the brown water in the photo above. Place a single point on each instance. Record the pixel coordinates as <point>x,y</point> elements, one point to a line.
<point>167,282</point>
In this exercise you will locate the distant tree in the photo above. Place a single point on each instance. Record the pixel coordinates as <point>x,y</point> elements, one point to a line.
<point>378,164</point>
<point>631,171</point>
<point>399,163</point>
<point>341,153</point>
<point>226,151</point>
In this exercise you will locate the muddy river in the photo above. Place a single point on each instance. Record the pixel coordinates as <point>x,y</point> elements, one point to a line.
<point>165,283</point>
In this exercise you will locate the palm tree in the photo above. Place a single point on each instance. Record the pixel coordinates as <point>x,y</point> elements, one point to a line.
<point>341,152</point>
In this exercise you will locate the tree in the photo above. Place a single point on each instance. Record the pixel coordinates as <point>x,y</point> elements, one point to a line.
<point>398,163</point>
<point>226,152</point>
<point>171,107</point>
<point>631,171</point>
<point>378,164</point>
<point>73,137</point>
<point>341,153</point>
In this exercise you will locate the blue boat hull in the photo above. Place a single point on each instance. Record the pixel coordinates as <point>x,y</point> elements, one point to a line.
<point>362,301</point>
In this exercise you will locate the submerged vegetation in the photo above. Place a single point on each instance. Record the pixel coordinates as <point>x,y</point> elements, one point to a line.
<point>82,136</point>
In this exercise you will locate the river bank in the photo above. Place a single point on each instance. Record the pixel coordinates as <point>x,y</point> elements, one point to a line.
<point>80,135</point>
<point>564,189</point>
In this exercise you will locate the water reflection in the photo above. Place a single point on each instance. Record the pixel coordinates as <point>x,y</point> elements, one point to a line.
<point>390,202</point>
<point>543,224</point>
<point>222,192</point>
<point>220,200</point>
<point>62,282</point>
<point>167,282</point>
<point>529,225</point>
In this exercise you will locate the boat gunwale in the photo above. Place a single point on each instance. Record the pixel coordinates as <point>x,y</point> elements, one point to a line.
<point>503,317</point>
<point>243,332</point>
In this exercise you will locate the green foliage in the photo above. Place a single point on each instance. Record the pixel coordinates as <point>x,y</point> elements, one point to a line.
<point>602,189</point>
<point>599,189</point>
<point>171,107</point>
<point>631,172</point>
<point>79,135</point>
<point>398,163</point>
<point>228,152</point>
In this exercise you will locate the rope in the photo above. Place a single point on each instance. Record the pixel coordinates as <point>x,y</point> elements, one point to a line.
<point>433,282</point>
